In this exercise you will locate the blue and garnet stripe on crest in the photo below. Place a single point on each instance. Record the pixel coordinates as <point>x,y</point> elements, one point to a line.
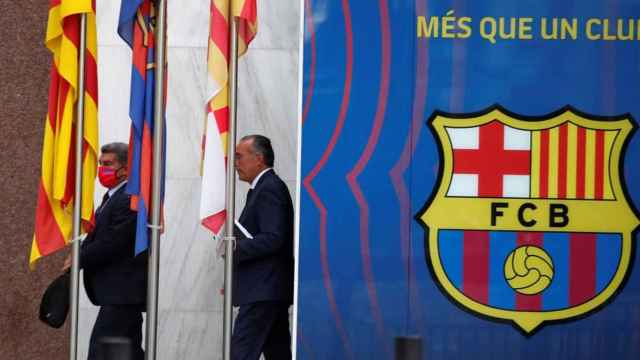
<point>583,264</point>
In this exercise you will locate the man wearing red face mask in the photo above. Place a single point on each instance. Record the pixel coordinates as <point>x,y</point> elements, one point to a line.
<point>114,278</point>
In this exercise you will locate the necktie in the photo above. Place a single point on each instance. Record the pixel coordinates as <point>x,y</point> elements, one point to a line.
<point>246,203</point>
<point>105,198</point>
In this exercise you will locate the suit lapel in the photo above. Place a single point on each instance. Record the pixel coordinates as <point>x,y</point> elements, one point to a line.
<point>254,194</point>
<point>106,209</point>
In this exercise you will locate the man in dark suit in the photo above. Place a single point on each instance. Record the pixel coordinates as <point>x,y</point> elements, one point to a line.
<point>263,257</point>
<point>114,278</point>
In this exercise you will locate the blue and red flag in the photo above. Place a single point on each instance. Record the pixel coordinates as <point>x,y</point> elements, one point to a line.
<point>136,27</point>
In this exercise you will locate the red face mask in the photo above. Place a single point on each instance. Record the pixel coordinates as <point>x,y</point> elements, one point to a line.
<point>107,176</point>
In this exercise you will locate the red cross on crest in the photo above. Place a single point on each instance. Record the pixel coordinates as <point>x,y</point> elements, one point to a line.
<point>491,161</point>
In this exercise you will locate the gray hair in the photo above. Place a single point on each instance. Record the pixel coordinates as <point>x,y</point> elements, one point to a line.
<point>261,144</point>
<point>121,150</point>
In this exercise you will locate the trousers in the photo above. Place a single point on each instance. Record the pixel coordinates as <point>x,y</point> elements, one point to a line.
<point>262,328</point>
<point>122,322</point>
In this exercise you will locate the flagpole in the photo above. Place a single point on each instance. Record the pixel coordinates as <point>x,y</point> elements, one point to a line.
<point>231,187</point>
<point>77,198</point>
<point>158,150</point>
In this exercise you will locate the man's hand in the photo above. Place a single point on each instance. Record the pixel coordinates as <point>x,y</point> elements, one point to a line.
<point>221,247</point>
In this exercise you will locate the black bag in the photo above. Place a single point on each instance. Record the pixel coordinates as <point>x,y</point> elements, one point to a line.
<point>55,301</point>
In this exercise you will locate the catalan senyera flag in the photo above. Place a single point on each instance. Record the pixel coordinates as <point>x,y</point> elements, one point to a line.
<point>572,162</point>
<point>136,26</point>
<point>212,202</point>
<point>53,223</point>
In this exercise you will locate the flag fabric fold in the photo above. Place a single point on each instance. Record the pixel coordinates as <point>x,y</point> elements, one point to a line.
<point>136,26</point>
<point>212,202</point>
<point>54,212</point>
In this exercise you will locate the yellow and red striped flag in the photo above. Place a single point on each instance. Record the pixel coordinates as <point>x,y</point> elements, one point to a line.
<point>53,223</point>
<point>571,161</point>
<point>212,202</point>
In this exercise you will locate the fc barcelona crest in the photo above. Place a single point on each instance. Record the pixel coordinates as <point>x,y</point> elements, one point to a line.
<point>530,222</point>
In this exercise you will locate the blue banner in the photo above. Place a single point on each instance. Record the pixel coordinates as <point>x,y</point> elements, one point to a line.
<point>468,178</point>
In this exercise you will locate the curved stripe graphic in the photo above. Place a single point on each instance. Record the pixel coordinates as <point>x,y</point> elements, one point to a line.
<point>458,64</point>
<point>312,66</point>
<point>308,180</point>
<point>308,351</point>
<point>608,56</point>
<point>352,176</point>
<point>397,172</point>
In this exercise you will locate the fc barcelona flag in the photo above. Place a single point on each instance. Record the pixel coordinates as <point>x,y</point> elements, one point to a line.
<point>546,231</point>
<point>136,26</point>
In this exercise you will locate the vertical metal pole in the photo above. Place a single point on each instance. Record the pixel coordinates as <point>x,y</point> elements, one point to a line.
<point>154,246</point>
<point>231,188</point>
<point>77,198</point>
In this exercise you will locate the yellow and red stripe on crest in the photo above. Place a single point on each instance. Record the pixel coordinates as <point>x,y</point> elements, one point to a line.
<point>571,162</point>
<point>212,204</point>
<point>53,223</point>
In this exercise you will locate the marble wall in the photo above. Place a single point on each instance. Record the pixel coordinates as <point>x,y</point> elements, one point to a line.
<point>190,304</point>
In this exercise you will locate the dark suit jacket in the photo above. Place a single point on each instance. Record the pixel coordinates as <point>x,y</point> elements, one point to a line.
<point>112,275</point>
<point>263,266</point>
